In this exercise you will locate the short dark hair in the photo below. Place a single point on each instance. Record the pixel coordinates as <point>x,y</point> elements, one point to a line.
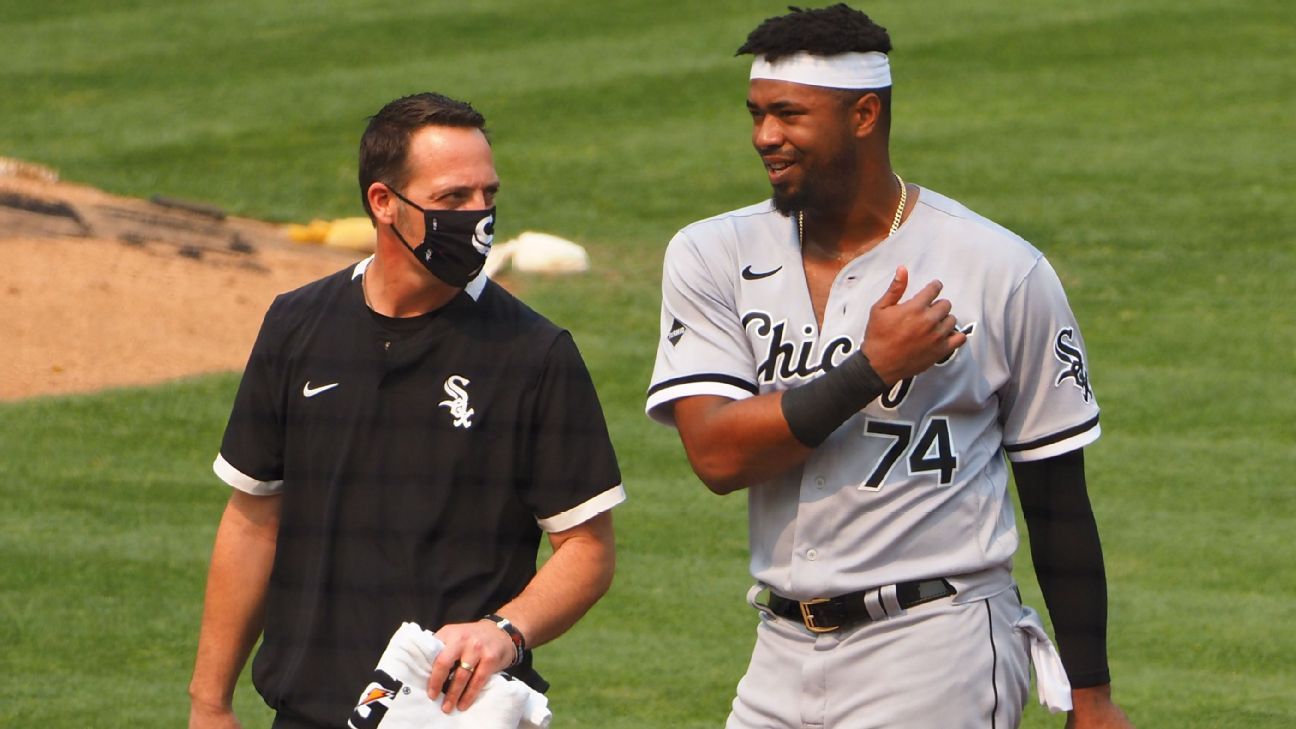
<point>385,142</point>
<point>822,32</point>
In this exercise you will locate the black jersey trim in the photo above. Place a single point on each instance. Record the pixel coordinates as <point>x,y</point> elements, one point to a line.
<point>1055,438</point>
<point>712,377</point>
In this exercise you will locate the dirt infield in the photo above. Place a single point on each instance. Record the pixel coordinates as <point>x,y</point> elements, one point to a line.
<point>98,291</point>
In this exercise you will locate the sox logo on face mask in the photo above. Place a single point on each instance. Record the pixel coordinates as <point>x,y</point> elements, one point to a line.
<point>484,234</point>
<point>458,402</point>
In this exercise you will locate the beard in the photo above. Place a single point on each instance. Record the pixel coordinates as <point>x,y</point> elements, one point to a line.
<point>823,190</point>
<point>786,203</point>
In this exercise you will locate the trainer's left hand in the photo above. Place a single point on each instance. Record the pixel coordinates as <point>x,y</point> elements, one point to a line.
<point>1093,708</point>
<point>481,645</point>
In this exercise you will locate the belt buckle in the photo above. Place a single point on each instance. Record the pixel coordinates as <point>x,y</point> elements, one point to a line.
<point>809,619</point>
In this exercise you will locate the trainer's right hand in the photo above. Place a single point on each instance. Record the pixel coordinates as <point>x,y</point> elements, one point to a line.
<point>904,339</point>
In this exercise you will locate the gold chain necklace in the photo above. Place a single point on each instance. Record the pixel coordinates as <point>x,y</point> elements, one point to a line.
<point>895,222</point>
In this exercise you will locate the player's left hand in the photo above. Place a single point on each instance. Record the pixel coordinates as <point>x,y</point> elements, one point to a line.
<point>1093,708</point>
<point>480,645</point>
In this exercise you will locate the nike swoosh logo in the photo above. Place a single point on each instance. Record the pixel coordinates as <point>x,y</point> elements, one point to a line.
<point>750,275</point>
<point>309,391</point>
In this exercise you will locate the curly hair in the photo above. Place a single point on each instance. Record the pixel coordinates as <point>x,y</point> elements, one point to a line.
<point>823,32</point>
<point>385,142</point>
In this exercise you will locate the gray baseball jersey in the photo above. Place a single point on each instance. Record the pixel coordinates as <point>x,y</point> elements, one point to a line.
<point>914,486</point>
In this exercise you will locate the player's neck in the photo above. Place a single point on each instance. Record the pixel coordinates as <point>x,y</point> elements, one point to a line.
<point>395,285</point>
<point>861,224</point>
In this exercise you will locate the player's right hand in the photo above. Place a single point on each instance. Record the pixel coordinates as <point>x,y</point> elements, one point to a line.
<point>906,338</point>
<point>205,716</point>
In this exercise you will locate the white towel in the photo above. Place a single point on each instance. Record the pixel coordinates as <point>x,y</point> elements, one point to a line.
<point>1050,677</point>
<point>397,697</point>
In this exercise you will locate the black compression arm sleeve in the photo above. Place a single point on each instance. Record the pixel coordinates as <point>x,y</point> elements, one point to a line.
<point>814,410</point>
<point>1068,561</point>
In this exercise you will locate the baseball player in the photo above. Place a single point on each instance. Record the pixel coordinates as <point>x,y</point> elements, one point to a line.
<point>870,429</point>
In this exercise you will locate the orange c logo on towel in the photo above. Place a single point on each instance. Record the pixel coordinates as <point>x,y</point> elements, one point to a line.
<point>376,693</point>
<point>375,701</point>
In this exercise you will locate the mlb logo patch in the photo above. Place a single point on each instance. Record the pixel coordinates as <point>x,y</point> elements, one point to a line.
<point>676,332</point>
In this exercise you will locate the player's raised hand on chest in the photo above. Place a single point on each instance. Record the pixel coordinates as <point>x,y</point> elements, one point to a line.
<point>905,338</point>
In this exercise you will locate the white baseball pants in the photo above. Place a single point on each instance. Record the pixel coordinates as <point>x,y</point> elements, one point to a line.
<point>938,666</point>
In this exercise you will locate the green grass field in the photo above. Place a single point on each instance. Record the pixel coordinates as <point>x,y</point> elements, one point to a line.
<point>1140,143</point>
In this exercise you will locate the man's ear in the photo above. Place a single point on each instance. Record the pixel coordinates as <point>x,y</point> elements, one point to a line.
<point>866,114</point>
<point>381,202</point>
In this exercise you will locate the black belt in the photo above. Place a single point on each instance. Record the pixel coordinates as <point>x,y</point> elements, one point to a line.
<point>824,614</point>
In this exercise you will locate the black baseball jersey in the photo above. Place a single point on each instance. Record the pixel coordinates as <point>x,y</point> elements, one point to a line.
<point>419,461</point>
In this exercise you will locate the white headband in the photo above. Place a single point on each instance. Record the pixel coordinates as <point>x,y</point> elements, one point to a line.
<point>843,71</point>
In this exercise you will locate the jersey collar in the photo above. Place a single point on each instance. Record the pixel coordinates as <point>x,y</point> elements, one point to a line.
<point>473,289</point>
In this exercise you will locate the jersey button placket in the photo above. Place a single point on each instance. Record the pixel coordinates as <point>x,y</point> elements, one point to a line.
<point>811,531</point>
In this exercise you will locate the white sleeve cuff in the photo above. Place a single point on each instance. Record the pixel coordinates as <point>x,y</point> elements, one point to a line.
<point>1031,452</point>
<point>242,481</point>
<point>580,514</point>
<point>666,416</point>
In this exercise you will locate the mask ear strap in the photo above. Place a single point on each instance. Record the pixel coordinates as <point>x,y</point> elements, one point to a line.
<point>401,238</point>
<point>396,230</point>
<point>406,200</point>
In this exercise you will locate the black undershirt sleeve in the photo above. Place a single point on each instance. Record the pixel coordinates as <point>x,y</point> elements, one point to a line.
<point>1068,562</point>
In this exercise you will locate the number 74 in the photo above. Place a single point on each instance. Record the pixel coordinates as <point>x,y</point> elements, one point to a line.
<point>933,452</point>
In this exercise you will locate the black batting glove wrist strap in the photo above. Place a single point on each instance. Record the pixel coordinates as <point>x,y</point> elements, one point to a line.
<point>816,409</point>
<point>515,635</point>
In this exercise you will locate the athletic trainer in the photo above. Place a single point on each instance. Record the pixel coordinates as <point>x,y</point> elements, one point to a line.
<point>404,432</point>
<point>870,430</point>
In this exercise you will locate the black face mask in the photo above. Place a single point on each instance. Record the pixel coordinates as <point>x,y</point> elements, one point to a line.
<point>455,242</point>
